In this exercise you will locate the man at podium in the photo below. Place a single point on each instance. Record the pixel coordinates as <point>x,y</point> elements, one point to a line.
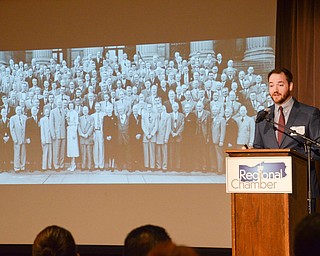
<point>272,124</point>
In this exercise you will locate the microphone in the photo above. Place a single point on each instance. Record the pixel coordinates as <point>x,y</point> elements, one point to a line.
<point>262,115</point>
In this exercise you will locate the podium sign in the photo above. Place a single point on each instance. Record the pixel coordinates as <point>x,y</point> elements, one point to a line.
<point>259,174</point>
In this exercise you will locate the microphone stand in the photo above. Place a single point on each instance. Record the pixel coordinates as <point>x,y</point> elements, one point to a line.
<point>307,148</point>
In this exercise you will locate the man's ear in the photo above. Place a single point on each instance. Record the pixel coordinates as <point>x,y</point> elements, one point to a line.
<point>291,86</point>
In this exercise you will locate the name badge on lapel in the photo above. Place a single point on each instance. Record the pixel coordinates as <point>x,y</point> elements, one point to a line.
<point>299,129</point>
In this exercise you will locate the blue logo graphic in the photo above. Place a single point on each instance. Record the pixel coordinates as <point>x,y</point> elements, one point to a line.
<point>262,171</point>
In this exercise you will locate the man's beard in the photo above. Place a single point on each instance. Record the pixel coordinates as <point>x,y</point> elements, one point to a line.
<point>283,98</point>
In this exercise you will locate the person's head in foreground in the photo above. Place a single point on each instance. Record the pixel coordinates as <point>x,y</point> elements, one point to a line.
<point>140,241</point>
<point>54,241</point>
<point>171,249</point>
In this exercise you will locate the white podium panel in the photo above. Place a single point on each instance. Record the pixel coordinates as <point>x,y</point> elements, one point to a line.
<point>259,174</point>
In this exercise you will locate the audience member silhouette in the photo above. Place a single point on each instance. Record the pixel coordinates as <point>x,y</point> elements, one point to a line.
<point>140,241</point>
<point>54,241</point>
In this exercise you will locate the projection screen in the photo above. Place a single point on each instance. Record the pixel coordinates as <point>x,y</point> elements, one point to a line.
<point>185,192</point>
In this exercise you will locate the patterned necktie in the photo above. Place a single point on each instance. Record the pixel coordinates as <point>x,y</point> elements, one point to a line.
<point>281,125</point>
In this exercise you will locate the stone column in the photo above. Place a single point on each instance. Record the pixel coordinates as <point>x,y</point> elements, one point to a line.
<point>258,48</point>
<point>3,59</point>
<point>42,56</point>
<point>147,51</point>
<point>92,50</point>
<point>203,47</point>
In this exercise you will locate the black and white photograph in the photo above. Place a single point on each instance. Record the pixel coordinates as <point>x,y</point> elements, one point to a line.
<point>147,113</point>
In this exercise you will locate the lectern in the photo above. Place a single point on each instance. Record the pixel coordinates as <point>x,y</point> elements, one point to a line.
<point>263,222</point>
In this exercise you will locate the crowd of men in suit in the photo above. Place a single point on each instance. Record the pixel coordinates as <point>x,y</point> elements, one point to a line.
<point>174,114</point>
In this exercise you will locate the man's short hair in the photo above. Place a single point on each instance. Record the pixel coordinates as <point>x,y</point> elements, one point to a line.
<point>54,240</point>
<point>280,70</point>
<point>307,236</point>
<point>142,239</point>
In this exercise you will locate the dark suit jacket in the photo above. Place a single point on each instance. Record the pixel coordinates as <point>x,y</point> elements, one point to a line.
<point>33,130</point>
<point>110,127</point>
<point>123,131</point>
<point>163,94</point>
<point>251,111</point>
<point>91,109</point>
<point>209,94</point>
<point>173,86</point>
<point>50,78</point>
<point>98,62</point>
<point>300,115</point>
<point>221,66</point>
<point>135,126</point>
<point>33,133</point>
<point>6,147</point>
<point>72,94</point>
<point>10,110</point>
<point>29,80</point>
<point>177,126</point>
<point>231,133</point>
<point>203,126</point>
<point>206,103</point>
<point>4,129</point>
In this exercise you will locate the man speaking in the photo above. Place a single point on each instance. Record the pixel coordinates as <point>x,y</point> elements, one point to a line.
<point>287,113</point>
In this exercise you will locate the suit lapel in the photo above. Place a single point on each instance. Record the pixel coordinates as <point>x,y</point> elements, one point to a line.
<point>293,114</point>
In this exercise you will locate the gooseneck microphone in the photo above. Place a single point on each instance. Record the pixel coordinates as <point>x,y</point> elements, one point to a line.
<point>262,115</point>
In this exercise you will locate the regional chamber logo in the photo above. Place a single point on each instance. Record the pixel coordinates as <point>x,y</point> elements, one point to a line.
<point>260,176</point>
